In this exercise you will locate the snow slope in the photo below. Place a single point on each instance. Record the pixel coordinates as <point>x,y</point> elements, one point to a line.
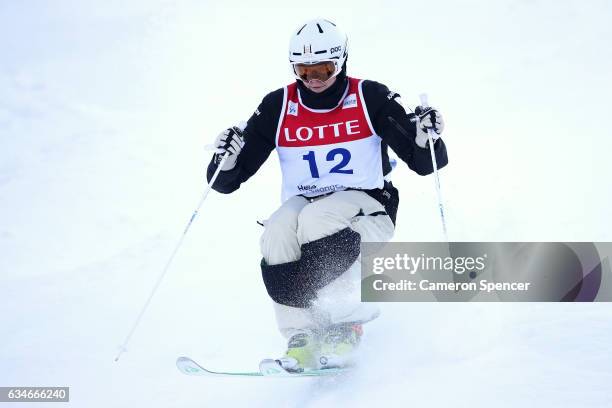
<point>105,108</point>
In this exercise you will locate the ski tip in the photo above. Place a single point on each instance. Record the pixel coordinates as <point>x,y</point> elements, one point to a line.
<point>269,367</point>
<point>189,367</point>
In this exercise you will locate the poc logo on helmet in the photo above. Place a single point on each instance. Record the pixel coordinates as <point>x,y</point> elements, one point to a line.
<point>335,49</point>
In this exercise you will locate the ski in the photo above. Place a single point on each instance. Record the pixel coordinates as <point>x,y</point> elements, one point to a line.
<point>267,368</point>
<point>190,367</point>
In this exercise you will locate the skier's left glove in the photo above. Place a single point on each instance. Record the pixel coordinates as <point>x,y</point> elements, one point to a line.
<point>229,142</point>
<point>427,118</point>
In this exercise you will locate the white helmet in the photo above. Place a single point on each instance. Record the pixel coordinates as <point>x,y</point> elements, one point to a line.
<point>318,41</point>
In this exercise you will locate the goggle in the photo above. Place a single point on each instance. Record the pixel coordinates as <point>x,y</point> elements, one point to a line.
<point>321,71</point>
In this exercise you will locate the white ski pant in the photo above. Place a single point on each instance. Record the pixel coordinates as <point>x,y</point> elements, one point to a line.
<point>299,221</point>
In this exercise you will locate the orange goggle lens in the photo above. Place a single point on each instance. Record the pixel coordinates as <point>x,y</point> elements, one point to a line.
<point>321,71</point>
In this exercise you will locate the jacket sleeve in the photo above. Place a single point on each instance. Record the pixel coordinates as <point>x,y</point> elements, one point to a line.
<point>382,104</point>
<point>259,138</point>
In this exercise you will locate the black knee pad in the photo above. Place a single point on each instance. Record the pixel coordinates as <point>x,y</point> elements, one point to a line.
<point>327,258</point>
<point>323,260</point>
<point>285,285</point>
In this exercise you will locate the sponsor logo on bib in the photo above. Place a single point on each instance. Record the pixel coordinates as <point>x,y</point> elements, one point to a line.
<point>350,102</point>
<point>325,133</point>
<point>292,109</point>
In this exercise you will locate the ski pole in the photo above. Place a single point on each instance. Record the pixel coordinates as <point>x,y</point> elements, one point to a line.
<point>123,347</point>
<point>425,104</point>
<point>403,131</point>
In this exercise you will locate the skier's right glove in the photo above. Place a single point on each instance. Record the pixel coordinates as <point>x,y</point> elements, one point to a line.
<point>229,142</point>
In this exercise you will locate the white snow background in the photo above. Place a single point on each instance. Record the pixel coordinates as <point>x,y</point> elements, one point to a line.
<point>105,107</point>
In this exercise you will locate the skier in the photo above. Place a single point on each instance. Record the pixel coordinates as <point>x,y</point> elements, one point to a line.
<point>331,133</point>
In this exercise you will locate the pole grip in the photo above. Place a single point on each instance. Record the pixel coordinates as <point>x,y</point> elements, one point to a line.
<point>424,101</point>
